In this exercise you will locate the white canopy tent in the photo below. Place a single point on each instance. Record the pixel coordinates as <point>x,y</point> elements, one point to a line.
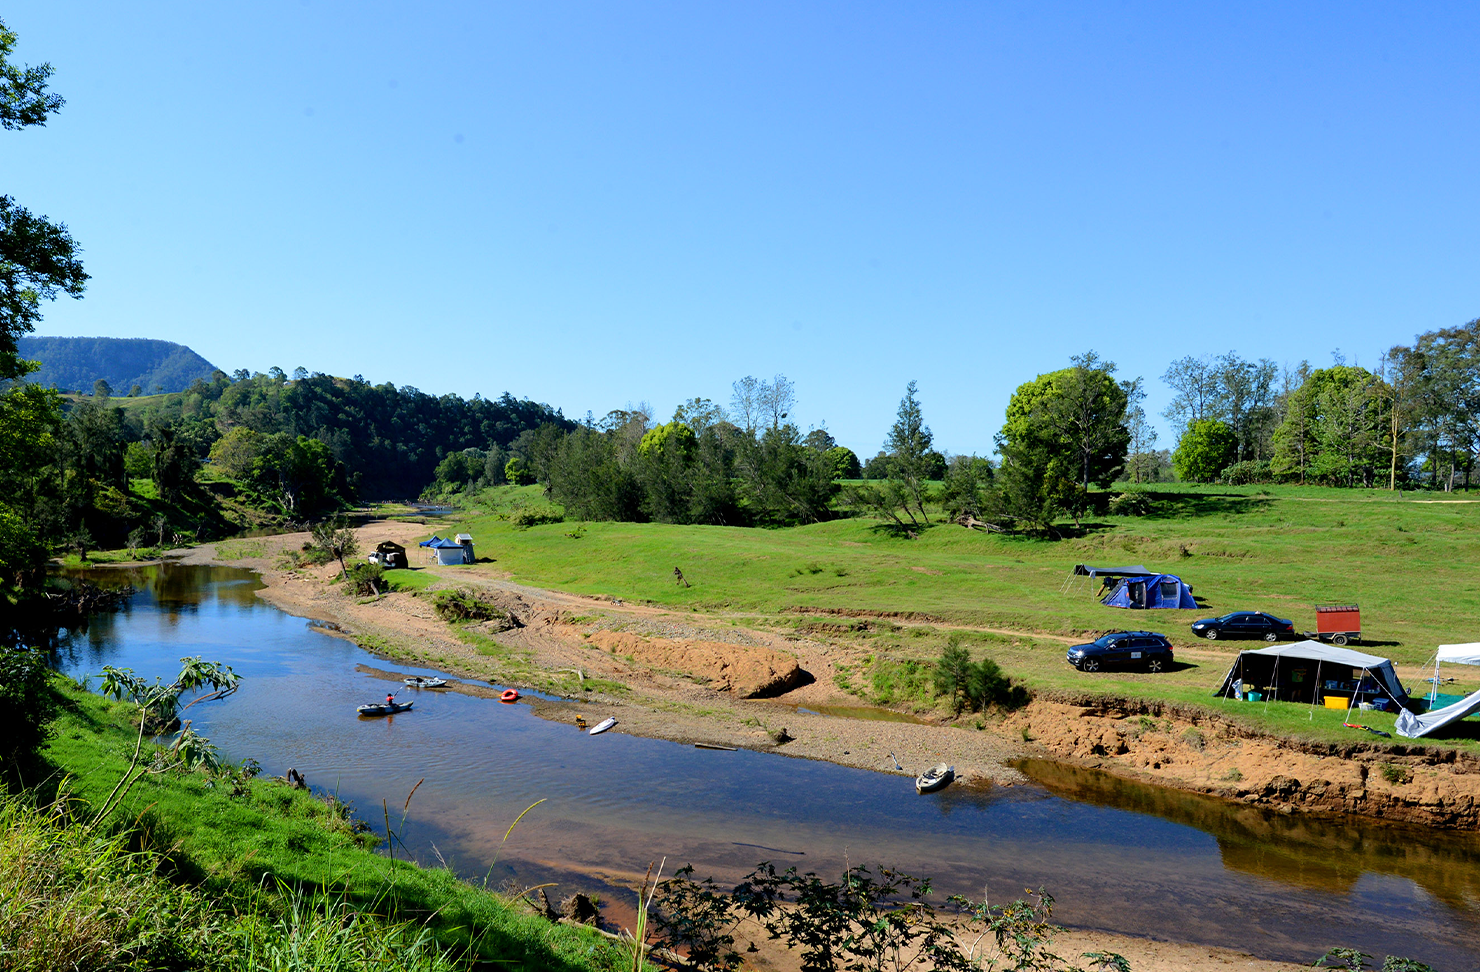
<point>1459,654</point>
<point>1413,726</point>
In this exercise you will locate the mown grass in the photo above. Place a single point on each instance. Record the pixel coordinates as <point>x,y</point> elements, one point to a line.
<point>229,845</point>
<point>410,579</point>
<point>1408,561</point>
<point>1281,549</point>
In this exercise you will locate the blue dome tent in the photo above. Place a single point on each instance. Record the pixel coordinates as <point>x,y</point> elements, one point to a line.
<point>1151,591</point>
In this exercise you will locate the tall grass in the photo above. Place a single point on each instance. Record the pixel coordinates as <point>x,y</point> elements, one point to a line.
<point>75,899</point>
<point>299,932</point>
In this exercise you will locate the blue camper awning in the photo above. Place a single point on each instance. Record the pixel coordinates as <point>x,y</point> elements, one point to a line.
<point>438,544</point>
<point>428,543</point>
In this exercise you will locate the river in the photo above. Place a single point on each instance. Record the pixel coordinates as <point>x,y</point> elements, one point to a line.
<point>1118,856</point>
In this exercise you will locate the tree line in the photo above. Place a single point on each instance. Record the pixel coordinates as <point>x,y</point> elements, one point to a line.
<point>1412,422</point>
<point>748,465</point>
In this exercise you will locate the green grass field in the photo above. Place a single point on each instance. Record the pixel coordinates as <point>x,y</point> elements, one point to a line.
<point>1408,562</point>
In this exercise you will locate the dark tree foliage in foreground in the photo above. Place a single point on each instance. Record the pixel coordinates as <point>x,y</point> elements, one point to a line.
<point>27,706</point>
<point>38,258</point>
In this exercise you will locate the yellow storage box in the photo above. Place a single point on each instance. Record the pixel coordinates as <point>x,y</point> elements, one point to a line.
<point>1342,702</point>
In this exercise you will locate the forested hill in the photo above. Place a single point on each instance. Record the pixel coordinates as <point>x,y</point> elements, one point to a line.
<point>75,363</point>
<point>388,438</point>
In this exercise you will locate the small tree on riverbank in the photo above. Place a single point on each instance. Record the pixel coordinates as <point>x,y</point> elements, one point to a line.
<point>335,539</point>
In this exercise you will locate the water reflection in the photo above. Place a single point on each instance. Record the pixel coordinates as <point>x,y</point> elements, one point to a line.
<point>1291,848</point>
<point>1133,859</point>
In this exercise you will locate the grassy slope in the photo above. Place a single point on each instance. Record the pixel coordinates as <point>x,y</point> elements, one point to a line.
<point>1407,562</point>
<point>232,844</point>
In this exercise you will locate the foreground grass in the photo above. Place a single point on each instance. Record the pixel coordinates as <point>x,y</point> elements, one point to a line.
<point>229,842</point>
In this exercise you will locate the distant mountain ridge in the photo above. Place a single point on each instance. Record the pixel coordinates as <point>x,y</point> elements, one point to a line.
<point>75,363</point>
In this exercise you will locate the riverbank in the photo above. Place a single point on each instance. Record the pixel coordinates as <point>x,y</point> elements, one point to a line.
<point>682,676</point>
<point>664,704</point>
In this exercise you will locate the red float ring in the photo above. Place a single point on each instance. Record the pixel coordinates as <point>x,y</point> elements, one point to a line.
<point>510,695</point>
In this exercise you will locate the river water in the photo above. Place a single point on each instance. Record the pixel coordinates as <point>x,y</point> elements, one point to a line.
<point>1117,856</point>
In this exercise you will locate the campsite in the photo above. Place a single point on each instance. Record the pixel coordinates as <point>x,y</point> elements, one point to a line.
<point>1284,549</point>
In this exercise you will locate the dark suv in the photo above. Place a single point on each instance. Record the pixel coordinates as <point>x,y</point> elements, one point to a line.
<point>1123,649</point>
<point>1245,624</point>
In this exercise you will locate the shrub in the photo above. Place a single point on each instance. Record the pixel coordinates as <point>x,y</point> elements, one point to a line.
<point>974,685</point>
<point>528,516</point>
<point>987,686</point>
<point>1246,472</point>
<point>366,579</point>
<point>27,706</point>
<point>1131,504</point>
<point>1194,738</point>
<point>1394,773</point>
<point>462,604</point>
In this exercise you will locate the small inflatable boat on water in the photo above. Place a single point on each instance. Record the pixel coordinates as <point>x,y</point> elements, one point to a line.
<point>934,778</point>
<point>381,708</point>
<point>416,681</point>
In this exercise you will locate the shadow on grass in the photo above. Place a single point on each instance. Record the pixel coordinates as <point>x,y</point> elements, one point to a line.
<point>1177,506</point>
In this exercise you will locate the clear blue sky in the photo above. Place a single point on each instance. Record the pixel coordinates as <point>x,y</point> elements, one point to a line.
<point>596,204</point>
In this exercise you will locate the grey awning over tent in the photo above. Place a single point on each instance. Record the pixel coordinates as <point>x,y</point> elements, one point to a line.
<point>1315,651</point>
<point>1085,570</point>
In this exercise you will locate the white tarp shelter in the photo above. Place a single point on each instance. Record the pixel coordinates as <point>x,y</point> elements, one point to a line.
<point>1413,726</point>
<point>1322,654</point>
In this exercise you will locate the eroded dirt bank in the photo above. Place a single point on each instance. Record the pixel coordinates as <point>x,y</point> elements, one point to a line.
<point>1195,750</point>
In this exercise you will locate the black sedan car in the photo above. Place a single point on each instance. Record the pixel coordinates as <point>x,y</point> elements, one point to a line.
<point>1123,649</point>
<point>1245,624</point>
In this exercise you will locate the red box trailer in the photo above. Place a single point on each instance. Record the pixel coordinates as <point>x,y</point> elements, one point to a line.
<point>1337,623</point>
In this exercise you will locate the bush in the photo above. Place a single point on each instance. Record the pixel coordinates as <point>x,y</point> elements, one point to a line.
<point>1131,504</point>
<point>1394,773</point>
<point>366,579</point>
<point>27,707</point>
<point>974,685</point>
<point>528,516</point>
<point>1246,472</point>
<point>462,604</point>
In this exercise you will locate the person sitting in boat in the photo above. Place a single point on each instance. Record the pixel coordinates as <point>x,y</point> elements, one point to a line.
<point>390,698</point>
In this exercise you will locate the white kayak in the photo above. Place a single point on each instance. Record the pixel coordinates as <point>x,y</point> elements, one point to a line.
<point>416,681</point>
<point>934,778</point>
<point>602,726</point>
<point>381,708</point>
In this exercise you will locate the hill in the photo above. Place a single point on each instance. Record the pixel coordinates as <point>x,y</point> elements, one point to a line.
<point>75,363</point>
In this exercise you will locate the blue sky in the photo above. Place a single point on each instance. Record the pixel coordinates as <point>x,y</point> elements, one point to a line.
<point>597,204</point>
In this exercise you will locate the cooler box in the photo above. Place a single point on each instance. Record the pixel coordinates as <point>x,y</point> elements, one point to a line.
<point>1342,702</point>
